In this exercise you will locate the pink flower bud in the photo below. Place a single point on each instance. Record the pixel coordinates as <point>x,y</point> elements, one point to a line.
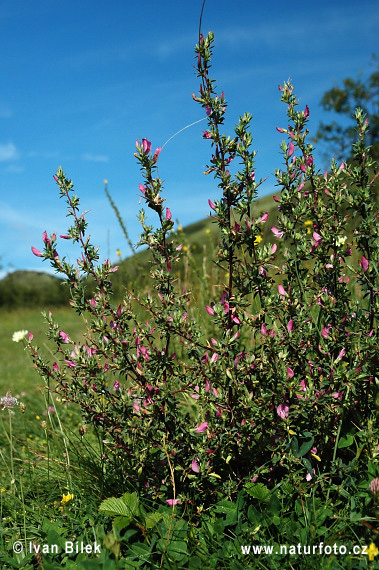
<point>211,205</point>
<point>207,135</point>
<point>142,188</point>
<point>194,466</point>
<point>208,110</point>
<point>291,149</point>
<point>157,153</point>
<point>281,290</point>
<point>45,239</point>
<point>306,112</point>
<point>290,325</point>
<point>36,252</point>
<point>209,310</point>
<point>280,130</point>
<point>168,214</point>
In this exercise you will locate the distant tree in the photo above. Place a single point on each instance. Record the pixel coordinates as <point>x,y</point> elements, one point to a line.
<point>353,93</point>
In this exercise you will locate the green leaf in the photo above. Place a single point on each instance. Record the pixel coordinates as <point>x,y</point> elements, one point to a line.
<point>126,506</point>
<point>345,441</point>
<point>152,519</point>
<point>258,491</point>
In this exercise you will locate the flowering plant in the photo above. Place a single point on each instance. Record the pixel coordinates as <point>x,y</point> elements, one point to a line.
<point>290,367</point>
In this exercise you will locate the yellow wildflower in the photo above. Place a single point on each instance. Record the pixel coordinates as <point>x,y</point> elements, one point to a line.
<point>308,223</point>
<point>185,248</point>
<point>66,498</point>
<point>257,240</point>
<point>180,228</point>
<point>118,252</point>
<point>372,551</point>
<point>207,231</point>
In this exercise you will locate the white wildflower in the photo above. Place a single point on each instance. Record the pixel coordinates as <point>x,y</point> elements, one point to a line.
<point>19,335</point>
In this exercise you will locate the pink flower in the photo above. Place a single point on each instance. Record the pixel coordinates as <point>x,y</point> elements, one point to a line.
<point>274,248</point>
<point>337,395</point>
<point>306,112</point>
<point>303,385</point>
<point>146,146</point>
<point>202,428</point>
<point>64,336</point>
<point>214,357</point>
<point>263,218</point>
<point>211,205</point>
<point>290,372</point>
<point>142,188</point>
<point>341,354</point>
<point>45,239</point>
<point>36,252</point>
<point>280,130</point>
<point>157,153</point>
<point>208,110</point>
<point>207,135</point>
<point>31,336</point>
<point>282,411</point>
<point>209,310</point>
<point>365,263</point>
<point>70,363</point>
<point>290,325</point>
<point>281,290</point>
<point>263,329</point>
<point>172,502</point>
<point>194,466</point>
<point>116,385</point>
<point>291,149</point>
<point>277,233</point>
<point>325,331</point>
<point>168,214</point>
<point>309,477</point>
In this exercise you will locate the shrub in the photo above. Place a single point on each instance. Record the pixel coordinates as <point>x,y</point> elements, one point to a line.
<point>271,384</point>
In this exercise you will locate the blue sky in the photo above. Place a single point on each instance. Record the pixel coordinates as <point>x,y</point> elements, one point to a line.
<point>81,80</point>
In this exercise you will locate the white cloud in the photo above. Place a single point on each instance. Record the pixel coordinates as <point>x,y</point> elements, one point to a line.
<point>89,157</point>
<point>8,151</point>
